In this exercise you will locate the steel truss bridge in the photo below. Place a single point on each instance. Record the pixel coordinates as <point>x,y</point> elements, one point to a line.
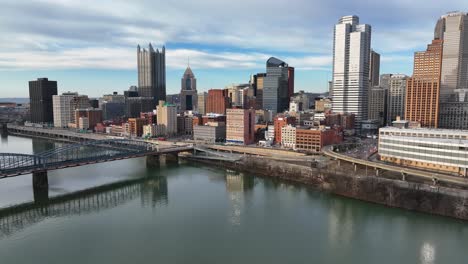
<point>83,153</point>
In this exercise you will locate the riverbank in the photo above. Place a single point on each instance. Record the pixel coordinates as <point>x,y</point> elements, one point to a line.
<point>335,179</point>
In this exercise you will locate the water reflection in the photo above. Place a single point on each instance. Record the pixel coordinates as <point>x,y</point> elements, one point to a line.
<point>153,192</point>
<point>236,184</point>
<point>427,253</point>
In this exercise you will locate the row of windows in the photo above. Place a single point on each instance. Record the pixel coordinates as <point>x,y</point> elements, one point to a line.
<point>410,156</point>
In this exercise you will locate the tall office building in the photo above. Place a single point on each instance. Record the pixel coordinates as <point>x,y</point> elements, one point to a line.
<point>218,101</point>
<point>423,88</point>
<point>351,57</point>
<point>40,99</point>
<point>453,113</point>
<point>258,89</point>
<point>65,105</point>
<point>240,126</point>
<point>378,105</point>
<point>152,73</point>
<point>374,70</point>
<point>188,92</point>
<point>167,116</point>
<point>201,102</point>
<point>395,84</point>
<point>290,82</point>
<point>452,28</point>
<point>276,86</point>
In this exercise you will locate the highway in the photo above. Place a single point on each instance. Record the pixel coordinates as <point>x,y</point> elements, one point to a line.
<point>425,175</point>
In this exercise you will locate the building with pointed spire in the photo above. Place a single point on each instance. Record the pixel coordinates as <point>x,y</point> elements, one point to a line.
<point>152,73</point>
<point>188,91</point>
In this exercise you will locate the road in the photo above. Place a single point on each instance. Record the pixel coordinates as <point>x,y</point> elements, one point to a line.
<point>428,176</point>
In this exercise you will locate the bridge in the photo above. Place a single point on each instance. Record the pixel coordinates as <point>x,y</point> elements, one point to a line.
<point>152,192</point>
<point>83,153</point>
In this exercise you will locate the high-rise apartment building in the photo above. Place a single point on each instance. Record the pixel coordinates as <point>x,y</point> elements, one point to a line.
<point>152,73</point>
<point>395,84</point>
<point>374,70</point>
<point>188,92</point>
<point>167,116</point>
<point>276,86</point>
<point>40,100</point>
<point>218,101</point>
<point>351,57</point>
<point>240,126</point>
<point>423,88</point>
<point>64,107</point>
<point>201,102</point>
<point>452,28</point>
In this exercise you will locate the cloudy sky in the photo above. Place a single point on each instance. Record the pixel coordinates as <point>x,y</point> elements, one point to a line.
<point>89,46</point>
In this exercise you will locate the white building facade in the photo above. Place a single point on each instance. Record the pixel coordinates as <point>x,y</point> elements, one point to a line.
<point>351,58</point>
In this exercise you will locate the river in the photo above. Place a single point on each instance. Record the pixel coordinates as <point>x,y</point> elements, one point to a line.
<point>124,212</point>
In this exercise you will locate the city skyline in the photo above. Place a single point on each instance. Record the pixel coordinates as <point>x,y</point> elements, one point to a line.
<point>91,50</point>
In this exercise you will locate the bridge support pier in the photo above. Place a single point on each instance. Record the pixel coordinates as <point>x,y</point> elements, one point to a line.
<point>3,130</point>
<point>40,180</point>
<point>152,161</point>
<point>172,158</point>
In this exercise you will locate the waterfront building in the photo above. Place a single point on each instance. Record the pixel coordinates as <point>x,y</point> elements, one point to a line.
<point>281,121</point>
<point>136,126</point>
<point>167,116</point>
<point>188,92</point>
<point>154,130</point>
<point>218,101</point>
<point>94,116</point>
<point>288,137</point>
<point>351,57</point>
<point>201,102</point>
<point>453,113</point>
<point>395,84</point>
<point>40,100</point>
<point>276,86</point>
<point>64,107</point>
<point>422,92</point>
<point>436,149</point>
<point>83,123</point>
<point>314,139</point>
<point>378,105</point>
<point>452,29</point>
<point>152,73</point>
<point>211,133</point>
<point>240,126</point>
<point>374,69</point>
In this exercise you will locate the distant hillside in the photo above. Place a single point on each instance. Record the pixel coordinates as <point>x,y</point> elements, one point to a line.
<point>15,100</point>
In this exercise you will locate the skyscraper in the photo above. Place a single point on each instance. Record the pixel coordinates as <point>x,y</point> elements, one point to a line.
<point>396,89</point>
<point>167,116</point>
<point>240,126</point>
<point>378,104</point>
<point>423,88</point>
<point>276,86</point>
<point>188,92</point>
<point>152,73</point>
<point>374,70</point>
<point>40,99</point>
<point>452,28</point>
<point>258,89</point>
<point>218,101</point>
<point>201,102</point>
<point>351,57</point>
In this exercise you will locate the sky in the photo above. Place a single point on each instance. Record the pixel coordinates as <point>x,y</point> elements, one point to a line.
<point>89,46</point>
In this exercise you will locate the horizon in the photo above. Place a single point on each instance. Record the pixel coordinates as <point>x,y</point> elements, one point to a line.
<point>91,49</point>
